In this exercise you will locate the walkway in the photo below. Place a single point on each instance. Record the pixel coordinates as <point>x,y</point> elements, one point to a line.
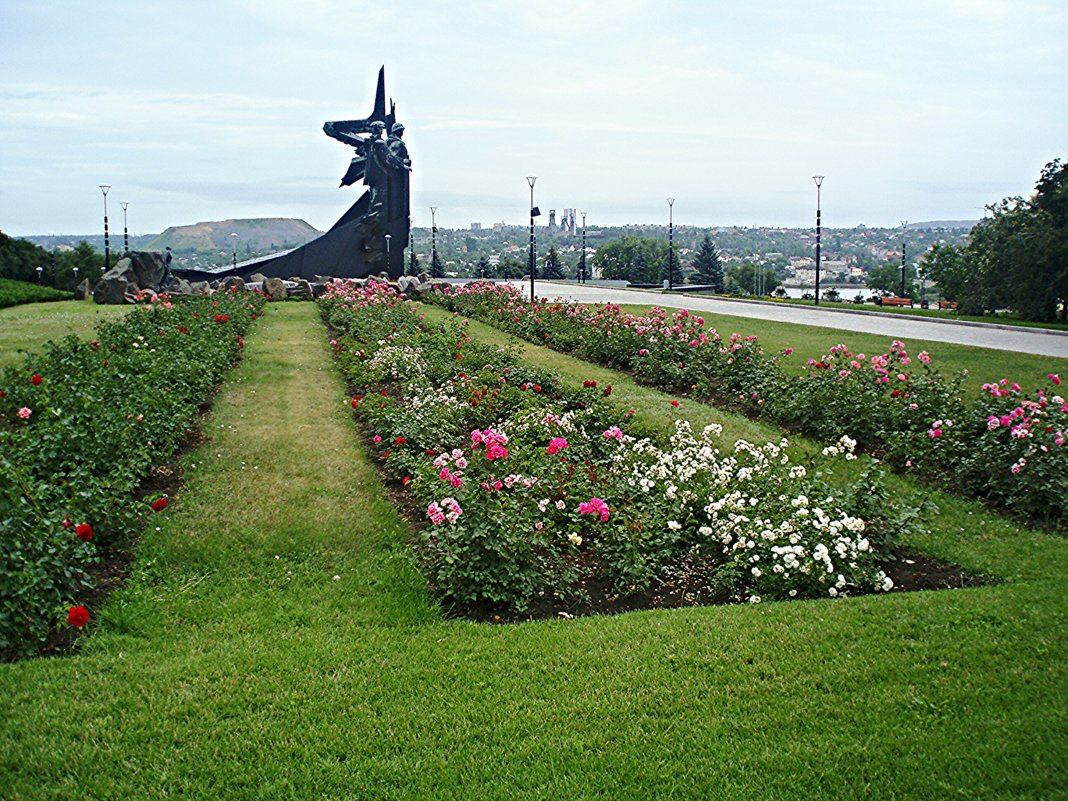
<point>1042,342</point>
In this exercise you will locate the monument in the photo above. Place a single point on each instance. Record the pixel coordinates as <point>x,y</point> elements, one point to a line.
<point>370,237</point>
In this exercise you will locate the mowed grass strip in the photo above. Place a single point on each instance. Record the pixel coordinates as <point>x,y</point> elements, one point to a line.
<point>28,327</point>
<point>221,672</point>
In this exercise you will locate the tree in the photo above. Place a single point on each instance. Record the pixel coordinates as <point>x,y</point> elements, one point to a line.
<point>631,258</point>
<point>708,269</point>
<point>888,279</point>
<point>552,268</point>
<point>1016,258</point>
<point>484,270</point>
<point>511,267</point>
<point>747,278</point>
<point>413,262</point>
<point>437,269</point>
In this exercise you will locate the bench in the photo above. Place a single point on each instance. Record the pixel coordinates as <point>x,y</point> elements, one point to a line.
<point>897,302</point>
<point>947,304</point>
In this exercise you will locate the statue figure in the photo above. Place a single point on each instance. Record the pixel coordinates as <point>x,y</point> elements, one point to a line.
<point>383,164</point>
<point>356,246</point>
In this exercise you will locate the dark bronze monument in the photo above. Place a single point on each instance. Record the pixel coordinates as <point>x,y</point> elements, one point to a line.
<point>371,236</point>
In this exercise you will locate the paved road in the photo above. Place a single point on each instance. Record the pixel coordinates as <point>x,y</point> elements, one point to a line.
<point>895,326</point>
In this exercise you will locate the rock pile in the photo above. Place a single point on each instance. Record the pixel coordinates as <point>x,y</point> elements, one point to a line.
<point>140,274</point>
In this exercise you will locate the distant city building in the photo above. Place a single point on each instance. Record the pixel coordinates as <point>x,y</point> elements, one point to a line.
<point>552,219</point>
<point>476,226</point>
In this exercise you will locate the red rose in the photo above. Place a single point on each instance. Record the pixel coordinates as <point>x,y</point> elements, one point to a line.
<point>355,404</point>
<point>66,522</point>
<point>400,441</point>
<point>674,403</point>
<point>78,616</point>
<point>608,390</point>
<point>84,532</point>
<point>160,504</point>
<point>405,480</point>
<point>36,380</point>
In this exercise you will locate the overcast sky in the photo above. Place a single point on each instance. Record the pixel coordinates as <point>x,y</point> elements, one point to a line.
<point>913,109</point>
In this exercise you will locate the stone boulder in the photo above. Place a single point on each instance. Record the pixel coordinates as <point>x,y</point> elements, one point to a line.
<point>275,288</point>
<point>232,283</point>
<point>81,292</point>
<point>256,278</point>
<point>147,268</point>
<point>302,290</point>
<point>116,284</point>
<point>179,286</point>
<point>200,287</point>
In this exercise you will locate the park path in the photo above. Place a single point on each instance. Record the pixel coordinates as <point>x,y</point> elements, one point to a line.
<point>1042,342</point>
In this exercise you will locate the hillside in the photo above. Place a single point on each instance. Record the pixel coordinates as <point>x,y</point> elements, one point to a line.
<point>254,236</point>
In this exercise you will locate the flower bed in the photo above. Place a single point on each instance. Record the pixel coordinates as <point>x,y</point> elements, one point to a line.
<point>1005,446</point>
<point>535,491</point>
<point>81,426</point>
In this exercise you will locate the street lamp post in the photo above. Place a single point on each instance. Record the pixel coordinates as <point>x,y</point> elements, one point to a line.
<point>433,239</point>
<point>40,272</point>
<point>411,248</point>
<point>819,182</point>
<point>671,244</point>
<point>388,260</point>
<point>233,246</point>
<point>125,230</point>
<point>582,258</point>
<point>903,224</point>
<point>530,180</point>
<point>107,242</point>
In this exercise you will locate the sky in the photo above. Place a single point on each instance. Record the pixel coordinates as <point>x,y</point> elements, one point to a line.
<point>194,111</point>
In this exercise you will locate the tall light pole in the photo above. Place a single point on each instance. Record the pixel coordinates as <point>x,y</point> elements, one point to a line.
<point>819,182</point>
<point>903,224</point>
<point>125,229</point>
<point>582,258</point>
<point>411,248</point>
<point>388,260</point>
<point>107,242</point>
<point>671,245</point>
<point>233,246</point>
<point>433,240</point>
<point>530,180</point>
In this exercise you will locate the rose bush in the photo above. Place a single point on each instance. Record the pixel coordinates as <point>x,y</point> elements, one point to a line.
<point>895,405</point>
<point>100,415</point>
<point>532,489</point>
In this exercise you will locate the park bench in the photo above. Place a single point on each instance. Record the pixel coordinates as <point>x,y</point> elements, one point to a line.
<point>897,302</point>
<point>947,304</point>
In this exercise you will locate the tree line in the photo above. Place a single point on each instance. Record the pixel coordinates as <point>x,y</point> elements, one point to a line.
<point>1016,258</point>
<point>20,260</point>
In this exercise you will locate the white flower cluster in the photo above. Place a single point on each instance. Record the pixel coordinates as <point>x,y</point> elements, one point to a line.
<point>751,505</point>
<point>395,362</point>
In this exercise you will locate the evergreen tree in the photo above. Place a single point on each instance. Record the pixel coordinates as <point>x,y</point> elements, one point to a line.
<point>437,269</point>
<point>552,269</point>
<point>708,269</point>
<point>483,270</point>
<point>413,262</point>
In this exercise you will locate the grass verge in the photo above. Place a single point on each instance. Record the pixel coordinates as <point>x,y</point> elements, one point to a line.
<point>223,672</point>
<point>28,327</point>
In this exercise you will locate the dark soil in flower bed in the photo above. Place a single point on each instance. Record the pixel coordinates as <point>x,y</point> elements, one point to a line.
<point>697,586</point>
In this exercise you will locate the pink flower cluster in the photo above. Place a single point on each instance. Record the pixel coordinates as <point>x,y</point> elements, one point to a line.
<point>556,444</point>
<point>448,509</point>
<point>594,506</point>
<point>614,433</point>
<point>494,442</point>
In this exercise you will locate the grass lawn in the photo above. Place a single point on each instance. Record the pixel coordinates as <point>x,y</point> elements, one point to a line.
<point>27,327</point>
<point>984,364</point>
<point>235,665</point>
<point>849,292</point>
